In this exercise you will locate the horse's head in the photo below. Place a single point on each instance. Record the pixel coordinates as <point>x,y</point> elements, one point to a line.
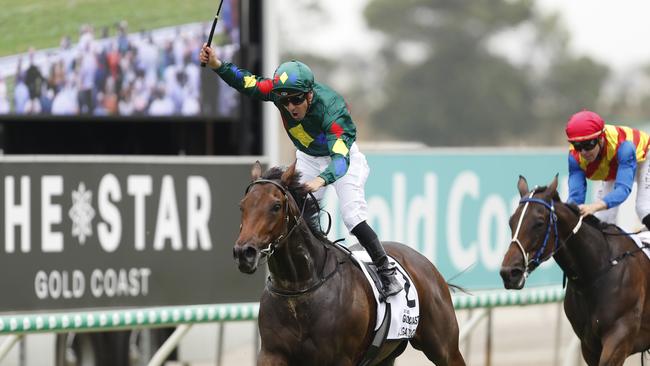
<point>265,211</point>
<point>534,233</point>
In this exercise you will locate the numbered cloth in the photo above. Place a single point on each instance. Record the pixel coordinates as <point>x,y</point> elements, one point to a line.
<point>405,306</point>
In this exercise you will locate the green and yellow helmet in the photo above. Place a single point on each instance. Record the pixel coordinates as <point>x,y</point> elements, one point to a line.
<point>292,77</point>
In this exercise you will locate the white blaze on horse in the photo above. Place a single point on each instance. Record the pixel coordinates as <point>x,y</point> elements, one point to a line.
<point>607,297</point>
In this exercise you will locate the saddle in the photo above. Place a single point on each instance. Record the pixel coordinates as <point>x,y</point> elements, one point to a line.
<point>398,316</point>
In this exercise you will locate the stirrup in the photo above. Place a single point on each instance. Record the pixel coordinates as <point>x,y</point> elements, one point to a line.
<point>389,284</point>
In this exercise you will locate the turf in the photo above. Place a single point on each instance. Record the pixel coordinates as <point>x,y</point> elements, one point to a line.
<point>42,23</point>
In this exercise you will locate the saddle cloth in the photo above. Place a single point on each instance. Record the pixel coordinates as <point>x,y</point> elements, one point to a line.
<point>640,239</point>
<point>405,306</point>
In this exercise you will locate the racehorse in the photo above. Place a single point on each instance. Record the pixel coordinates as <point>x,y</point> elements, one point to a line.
<point>317,308</point>
<point>607,298</point>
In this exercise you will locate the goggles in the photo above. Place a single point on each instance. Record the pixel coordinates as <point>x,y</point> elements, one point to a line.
<point>295,99</point>
<point>585,145</point>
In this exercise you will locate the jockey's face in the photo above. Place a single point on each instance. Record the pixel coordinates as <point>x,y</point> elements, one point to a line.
<point>299,109</point>
<point>591,155</point>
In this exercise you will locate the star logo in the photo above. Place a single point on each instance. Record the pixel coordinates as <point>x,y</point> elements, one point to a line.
<point>82,213</point>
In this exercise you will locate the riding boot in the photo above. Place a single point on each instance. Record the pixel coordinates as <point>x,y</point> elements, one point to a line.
<point>646,221</point>
<point>368,239</point>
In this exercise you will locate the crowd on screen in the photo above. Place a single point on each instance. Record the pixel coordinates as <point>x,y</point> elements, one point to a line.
<point>118,74</point>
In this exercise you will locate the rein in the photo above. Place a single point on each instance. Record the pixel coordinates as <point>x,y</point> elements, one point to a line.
<point>618,259</point>
<point>270,249</point>
<point>321,280</point>
<point>531,264</point>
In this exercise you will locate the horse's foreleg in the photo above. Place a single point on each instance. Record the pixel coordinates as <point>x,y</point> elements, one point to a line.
<point>590,355</point>
<point>615,355</point>
<point>271,359</point>
<point>456,358</point>
<point>617,345</point>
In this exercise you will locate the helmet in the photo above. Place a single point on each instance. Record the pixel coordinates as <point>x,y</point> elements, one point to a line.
<point>292,76</point>
<point>584,125</point>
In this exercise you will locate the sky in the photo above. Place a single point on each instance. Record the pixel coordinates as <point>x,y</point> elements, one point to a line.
<point>342,29</point>
<point>615,32</point>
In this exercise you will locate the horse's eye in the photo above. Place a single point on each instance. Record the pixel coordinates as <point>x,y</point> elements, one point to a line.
<point>538,224</point>
<point>276,207</point>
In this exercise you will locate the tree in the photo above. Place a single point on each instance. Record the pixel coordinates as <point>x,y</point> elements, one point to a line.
<point>446,84</point>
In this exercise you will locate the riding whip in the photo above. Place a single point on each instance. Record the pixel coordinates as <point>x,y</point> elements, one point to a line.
<point>214,24</point>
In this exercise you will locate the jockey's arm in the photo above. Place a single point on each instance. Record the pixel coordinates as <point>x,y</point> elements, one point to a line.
<point>577,182</point>
<point>245,82</point>
<point>339,142</point>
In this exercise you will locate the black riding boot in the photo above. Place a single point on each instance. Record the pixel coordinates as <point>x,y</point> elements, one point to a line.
<point>368,239</point>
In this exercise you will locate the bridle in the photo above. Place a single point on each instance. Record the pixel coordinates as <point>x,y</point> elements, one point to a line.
<point>270,248</point>
<point>531,264</point>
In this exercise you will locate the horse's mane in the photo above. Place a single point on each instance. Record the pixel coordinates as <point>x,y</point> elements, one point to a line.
<point>589,219</point>
<point>300,194</point>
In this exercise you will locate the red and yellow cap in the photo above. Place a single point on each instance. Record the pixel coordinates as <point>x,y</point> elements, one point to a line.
<point>584,125</point>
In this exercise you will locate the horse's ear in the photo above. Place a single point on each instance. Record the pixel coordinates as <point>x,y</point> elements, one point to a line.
<point>522,186</point>
<point>256,171</point>
<point>287,176</point>
<point>552,188</point>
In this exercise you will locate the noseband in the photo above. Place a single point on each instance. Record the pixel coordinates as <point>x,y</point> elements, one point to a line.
<point>270,249</point>
<point>552,224</point>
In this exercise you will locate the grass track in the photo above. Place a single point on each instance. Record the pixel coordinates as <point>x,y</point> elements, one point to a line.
<point>42,23</point>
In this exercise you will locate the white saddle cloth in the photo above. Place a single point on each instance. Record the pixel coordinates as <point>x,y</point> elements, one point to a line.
<point>405,306</point>
<point>640,239</point>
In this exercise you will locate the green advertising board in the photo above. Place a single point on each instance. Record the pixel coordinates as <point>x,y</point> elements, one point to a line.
<point>454,205</point>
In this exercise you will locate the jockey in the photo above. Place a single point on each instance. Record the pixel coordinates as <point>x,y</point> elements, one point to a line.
<point>318,123</point>
<point>614,155</point>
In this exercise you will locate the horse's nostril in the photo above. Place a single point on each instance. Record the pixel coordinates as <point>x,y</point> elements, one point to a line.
<point>516,273</point>
<point>250,252</point>
<point>511,273</point>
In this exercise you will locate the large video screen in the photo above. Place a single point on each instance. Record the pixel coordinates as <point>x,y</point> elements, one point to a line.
<point>118,71</point>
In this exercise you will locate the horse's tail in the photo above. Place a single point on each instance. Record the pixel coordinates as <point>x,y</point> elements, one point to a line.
<point>455,288</point>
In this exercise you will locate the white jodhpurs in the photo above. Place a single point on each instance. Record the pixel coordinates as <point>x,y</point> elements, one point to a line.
<point>350,188</point>
<point>642,180</point>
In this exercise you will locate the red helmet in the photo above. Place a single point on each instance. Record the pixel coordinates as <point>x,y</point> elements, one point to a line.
<point>584,125</point>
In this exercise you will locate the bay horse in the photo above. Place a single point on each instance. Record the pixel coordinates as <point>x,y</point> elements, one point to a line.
<point>317,308</point>
<point>607,298</point>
